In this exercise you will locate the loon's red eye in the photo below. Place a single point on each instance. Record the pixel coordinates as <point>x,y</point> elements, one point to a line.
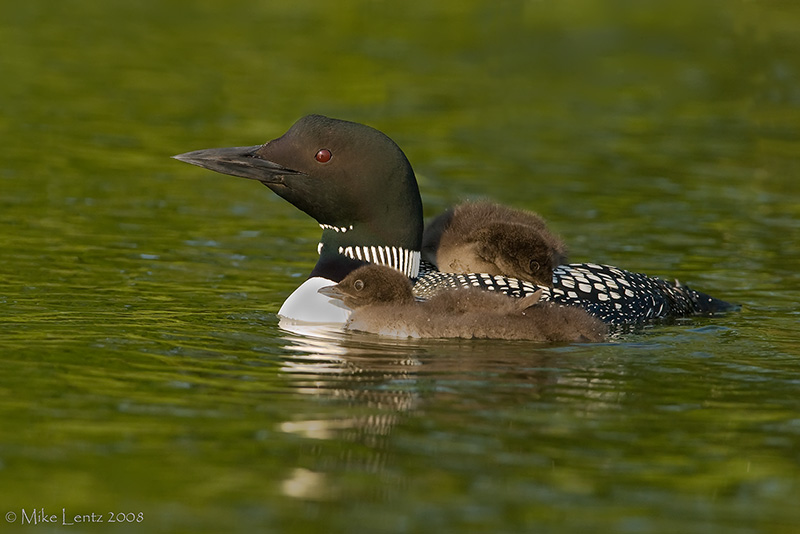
<point>323,156</point>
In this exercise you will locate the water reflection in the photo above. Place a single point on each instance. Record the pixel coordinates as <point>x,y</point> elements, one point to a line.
<point>304,484</point>
<point>386,385</point>
<point>322,356</point>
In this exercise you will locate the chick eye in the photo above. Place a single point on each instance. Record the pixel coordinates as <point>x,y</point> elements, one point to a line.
<point>534,266</point>
<point>324,155</point>
<point>359,285</point>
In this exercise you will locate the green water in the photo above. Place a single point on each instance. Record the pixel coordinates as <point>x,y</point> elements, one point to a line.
<point>142,370</point>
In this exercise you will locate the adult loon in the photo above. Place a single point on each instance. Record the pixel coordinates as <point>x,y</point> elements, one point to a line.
<point>383,303</point>
<point>359,186</point>
<point>354,181</point>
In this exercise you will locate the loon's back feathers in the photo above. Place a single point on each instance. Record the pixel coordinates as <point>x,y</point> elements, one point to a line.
<point>614,295</point>
<point>484,237</point>
<point>383,303</point>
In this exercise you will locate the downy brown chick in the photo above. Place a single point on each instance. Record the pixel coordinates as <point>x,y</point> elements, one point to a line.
<point>382,302</point>
<point>484,237</point>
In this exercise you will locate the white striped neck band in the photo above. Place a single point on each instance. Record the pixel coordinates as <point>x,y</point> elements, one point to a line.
<point>336,229</point>
<point>404,260</point>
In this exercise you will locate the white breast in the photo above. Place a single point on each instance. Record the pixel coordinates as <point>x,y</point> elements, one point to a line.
<point>306,305</point>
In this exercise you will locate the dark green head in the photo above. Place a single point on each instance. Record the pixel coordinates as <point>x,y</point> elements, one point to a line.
<point>343,174</point>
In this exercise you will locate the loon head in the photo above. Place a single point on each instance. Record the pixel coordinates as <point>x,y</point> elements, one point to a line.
<point>351,178</point>
<point>371,284</point>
